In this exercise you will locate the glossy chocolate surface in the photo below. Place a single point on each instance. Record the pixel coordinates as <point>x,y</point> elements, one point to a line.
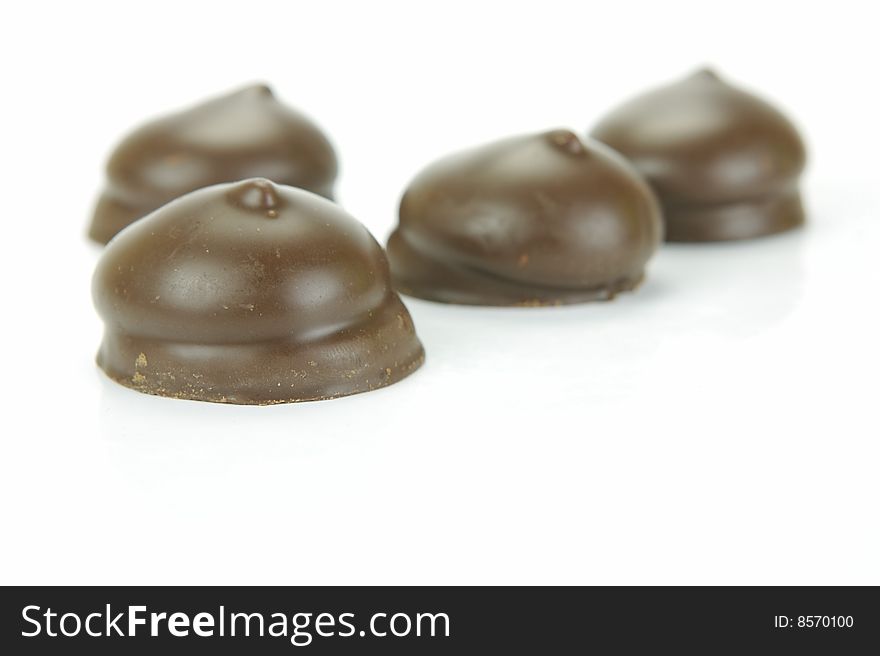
<point>542,219</point>
<point>251,293</point>
<point>241,135</point>
<point>724,163</point>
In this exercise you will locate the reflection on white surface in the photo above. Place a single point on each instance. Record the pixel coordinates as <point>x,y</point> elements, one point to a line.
<point>679,410</point>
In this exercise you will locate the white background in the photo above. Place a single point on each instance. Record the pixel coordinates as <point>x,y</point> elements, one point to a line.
<point>717,426</point>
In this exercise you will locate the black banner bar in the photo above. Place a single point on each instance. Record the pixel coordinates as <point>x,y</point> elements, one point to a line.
<point>445,620</point>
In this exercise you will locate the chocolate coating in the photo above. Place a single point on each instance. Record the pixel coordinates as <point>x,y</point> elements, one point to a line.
<point>241,135</point>
<point>251,293</point>
<point>542,219</point>
<point>724,163</point>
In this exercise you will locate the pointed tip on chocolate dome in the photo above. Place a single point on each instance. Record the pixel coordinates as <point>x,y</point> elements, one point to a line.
<point>258,89</point>
<point>706,73</point>
<point>257,195</point>
<point>567,141</point>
